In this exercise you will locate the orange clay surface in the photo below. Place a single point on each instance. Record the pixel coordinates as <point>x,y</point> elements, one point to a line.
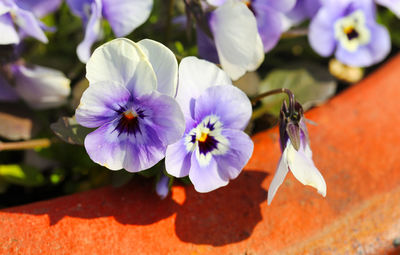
<point>356,147</point>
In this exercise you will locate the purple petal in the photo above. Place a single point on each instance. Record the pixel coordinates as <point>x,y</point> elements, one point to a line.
<point>106,148</point>
<point>372,53</point>
<point>393,5</point>
<point>30,25</point>
<point>234,160</point>
<point>304,9</point>
<point>178,159</point>
<point>195,76</point>
<point>163,115</point>
<point>205,178</point>
<point>228,103</point>
<point>80,7</point>
<point>98,106</point>
<point>114,150</point>
<point>39,7</point>
<point>321,32</point>
<point>92,32</point>
<point>281,5</point>
<point>143,156</point>
<point>8,34</point>
<point>126,15</point>
<point>162,187</point>
<point>270,27</point>
<point>206,47</point>
<point>7,93</point>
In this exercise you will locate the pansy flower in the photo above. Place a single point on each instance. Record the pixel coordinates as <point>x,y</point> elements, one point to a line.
<point>296,155</point>
<point>23,15</point>
<point>130,102</point>
<point>123,15</point>
<point>237,42</point>
<point>349,29</point>
<point>214,149</point>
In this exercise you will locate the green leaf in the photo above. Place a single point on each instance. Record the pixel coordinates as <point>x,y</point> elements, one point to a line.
<point>21,175</point>
<point>70,131</point>
<point>307,90</point>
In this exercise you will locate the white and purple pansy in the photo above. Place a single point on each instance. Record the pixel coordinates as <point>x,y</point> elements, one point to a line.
<point>214,149</point>
<point>349,29</point>
<point>130,102</point>
<point>123,15</point>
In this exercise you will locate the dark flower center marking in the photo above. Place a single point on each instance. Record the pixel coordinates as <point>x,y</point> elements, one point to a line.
<point>351,33</point>
<point>129,121</point>
<point>207,143</point>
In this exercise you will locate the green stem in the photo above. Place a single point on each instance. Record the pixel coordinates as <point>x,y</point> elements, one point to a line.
<point>274,92</point>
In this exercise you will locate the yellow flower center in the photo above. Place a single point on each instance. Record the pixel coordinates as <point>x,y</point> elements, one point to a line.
<point>203,137</point>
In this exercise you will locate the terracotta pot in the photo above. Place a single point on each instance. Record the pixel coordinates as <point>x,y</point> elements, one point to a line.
<point>355,145</point>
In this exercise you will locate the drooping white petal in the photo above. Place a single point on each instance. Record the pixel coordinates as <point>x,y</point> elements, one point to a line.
<point>195,76</point>
<point>8,34</point>
<point>126,15</point>
<point>122,61</point>
<point>234,28</point>
<point>42,87</point>
<point>304,169</point>
<point>279,176</point>
<point>164,65</point>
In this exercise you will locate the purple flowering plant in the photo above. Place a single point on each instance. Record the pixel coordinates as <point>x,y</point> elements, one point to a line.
<point>172,91</point>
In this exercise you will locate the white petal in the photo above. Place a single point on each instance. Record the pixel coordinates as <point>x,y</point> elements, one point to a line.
<point>195,76</point>
<point>122,61</point>
<point>279,176</point>
<point>236,37</point>
<point>42,87</point>
<point>304,169</point>
<point>8,34</point>
<point>164,65</point>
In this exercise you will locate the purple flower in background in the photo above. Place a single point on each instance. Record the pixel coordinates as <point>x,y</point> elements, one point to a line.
<point>238,44</point>
<point>349,29</point>
<point>23,14</point>
<point>296,155</point>
<point>130,102</point>
<point>123,15</point>
<point>393,5</point>
<point>214,149</point>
